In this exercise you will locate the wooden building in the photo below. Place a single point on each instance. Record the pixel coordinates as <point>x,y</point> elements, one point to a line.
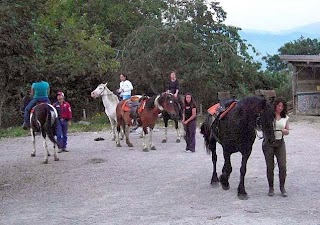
<point>305,71</point>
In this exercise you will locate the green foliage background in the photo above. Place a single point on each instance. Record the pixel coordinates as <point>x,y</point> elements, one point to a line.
<point>80,44</point>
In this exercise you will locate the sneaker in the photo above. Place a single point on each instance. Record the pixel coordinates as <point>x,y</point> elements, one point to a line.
<point>65,150</point>
<point>187,150</point>
<point>60,150</point>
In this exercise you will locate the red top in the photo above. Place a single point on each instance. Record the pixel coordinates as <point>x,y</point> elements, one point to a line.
<point>64,110</point>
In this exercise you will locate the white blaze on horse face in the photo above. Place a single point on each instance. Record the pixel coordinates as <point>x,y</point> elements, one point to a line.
<point>156,102</point>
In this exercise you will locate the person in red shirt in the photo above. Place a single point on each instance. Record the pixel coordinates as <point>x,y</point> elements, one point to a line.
<point>64,120</point>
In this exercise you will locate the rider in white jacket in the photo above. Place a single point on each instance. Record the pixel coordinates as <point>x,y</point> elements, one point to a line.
<point>125,87</point>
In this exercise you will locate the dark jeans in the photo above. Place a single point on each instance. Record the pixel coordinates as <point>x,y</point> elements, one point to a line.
<point>190,130</point>
<point>278,150</point>
<point>62,133</point>
<point>31,104</point>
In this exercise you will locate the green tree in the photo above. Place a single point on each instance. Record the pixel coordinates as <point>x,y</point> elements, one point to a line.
<point>191,39</point>
<point>16,54</point>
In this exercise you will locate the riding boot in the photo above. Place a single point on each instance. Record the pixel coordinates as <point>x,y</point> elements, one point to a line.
<point>271,189</point>
<point>282,180</point>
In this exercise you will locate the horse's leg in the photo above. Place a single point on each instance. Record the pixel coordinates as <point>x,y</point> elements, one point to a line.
<point>127,132</point>
<point>212,147</point>
<point>113,128</point>
<point>152,147</point>
<point>45,145</point>
<point>178,131</point>
<point>165,120</point>
<point>242,194</point>
<point>144,145</point>
<point>226,170</point>
<point>118,134</point>
<point>33,153</point>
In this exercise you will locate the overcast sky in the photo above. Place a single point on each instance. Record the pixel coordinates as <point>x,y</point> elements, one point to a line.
<point>271,15</point>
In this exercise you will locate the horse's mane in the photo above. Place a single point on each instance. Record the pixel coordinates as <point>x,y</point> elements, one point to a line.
<point>150,102</point>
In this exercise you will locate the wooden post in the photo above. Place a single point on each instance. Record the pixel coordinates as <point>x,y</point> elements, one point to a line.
<point>84,114</point>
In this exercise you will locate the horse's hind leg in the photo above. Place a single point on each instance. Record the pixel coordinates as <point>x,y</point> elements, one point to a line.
<point>45,161</point>
<point>152,147</point>
<point>144,145</point>
<point>117,137</point>
<point>226,171</point>
<point>214,178</point>
<point>33,153</point>
<point>178,131</point>
<point>242,194</point>
<point>127,132</point>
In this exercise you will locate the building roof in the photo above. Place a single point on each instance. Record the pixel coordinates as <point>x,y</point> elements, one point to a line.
<point>301,58</point>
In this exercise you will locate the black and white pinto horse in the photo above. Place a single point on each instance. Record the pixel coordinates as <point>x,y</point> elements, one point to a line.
<point>166,117</point>
<point>236,132</point>
<point>43,119</point>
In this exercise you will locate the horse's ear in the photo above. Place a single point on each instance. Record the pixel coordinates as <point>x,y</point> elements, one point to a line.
<point>106,83</point>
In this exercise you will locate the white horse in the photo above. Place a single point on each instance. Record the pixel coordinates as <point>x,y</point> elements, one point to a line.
<point>110,102</point>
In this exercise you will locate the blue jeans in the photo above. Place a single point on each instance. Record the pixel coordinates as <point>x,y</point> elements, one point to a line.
<point>126,97</point>
<point>62,133</point>
<point>32,103</point>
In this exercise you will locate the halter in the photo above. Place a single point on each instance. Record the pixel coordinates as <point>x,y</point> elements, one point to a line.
<point>104,88</point>
<point>156,103</point>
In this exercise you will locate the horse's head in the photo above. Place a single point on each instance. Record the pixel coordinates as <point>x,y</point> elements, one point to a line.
<point>170,104</point>
<point>265,121</point>
<point>101,90</point>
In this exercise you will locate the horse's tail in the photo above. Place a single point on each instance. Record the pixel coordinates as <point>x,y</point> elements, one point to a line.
<point>206,130</point>
<point>51,123</point>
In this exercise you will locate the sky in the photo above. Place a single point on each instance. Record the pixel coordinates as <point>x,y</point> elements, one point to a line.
<point>271,15</point>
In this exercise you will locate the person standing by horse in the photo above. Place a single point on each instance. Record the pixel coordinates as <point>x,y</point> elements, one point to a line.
<point>64,120</point>
<point>189,120</point>
<point>277,148</point>
<point>125,87</point>
<point>40,93</point>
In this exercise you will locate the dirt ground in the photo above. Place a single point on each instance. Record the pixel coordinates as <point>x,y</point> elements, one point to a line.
<point>98,183</point>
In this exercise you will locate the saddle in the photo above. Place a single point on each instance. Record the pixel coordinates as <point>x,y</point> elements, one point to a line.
<point>134,105</point>
<point>219,111</point>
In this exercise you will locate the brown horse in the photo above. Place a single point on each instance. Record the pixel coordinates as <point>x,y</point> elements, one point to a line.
<point>148,113</point>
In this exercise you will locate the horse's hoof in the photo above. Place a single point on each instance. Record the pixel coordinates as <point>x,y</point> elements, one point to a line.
<point>118,145</point>
<point>164,141</point>
<point>214,184</point>
<point>225,187</point>
<point>178,141</point>
<point>153,148</point>
<point>33,154</point>
<point>145,149</point>
<point>130,145</point>
<point>243,196</point>
<point>56,159</point>
<point>45,162</point>
<point>49,154</point>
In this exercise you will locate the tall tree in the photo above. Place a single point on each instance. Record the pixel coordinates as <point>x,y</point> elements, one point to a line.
<point>191,38</point>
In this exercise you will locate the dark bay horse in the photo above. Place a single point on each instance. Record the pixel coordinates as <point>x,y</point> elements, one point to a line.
<point>148,114</point>
<point>43,119</point>
<point>236,132</point>
<point>178,104</point>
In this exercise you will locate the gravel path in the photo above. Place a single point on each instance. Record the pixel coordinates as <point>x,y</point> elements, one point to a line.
<point>98,183</point>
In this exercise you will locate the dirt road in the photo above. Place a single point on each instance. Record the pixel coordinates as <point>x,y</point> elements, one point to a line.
<point>98,183</point>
